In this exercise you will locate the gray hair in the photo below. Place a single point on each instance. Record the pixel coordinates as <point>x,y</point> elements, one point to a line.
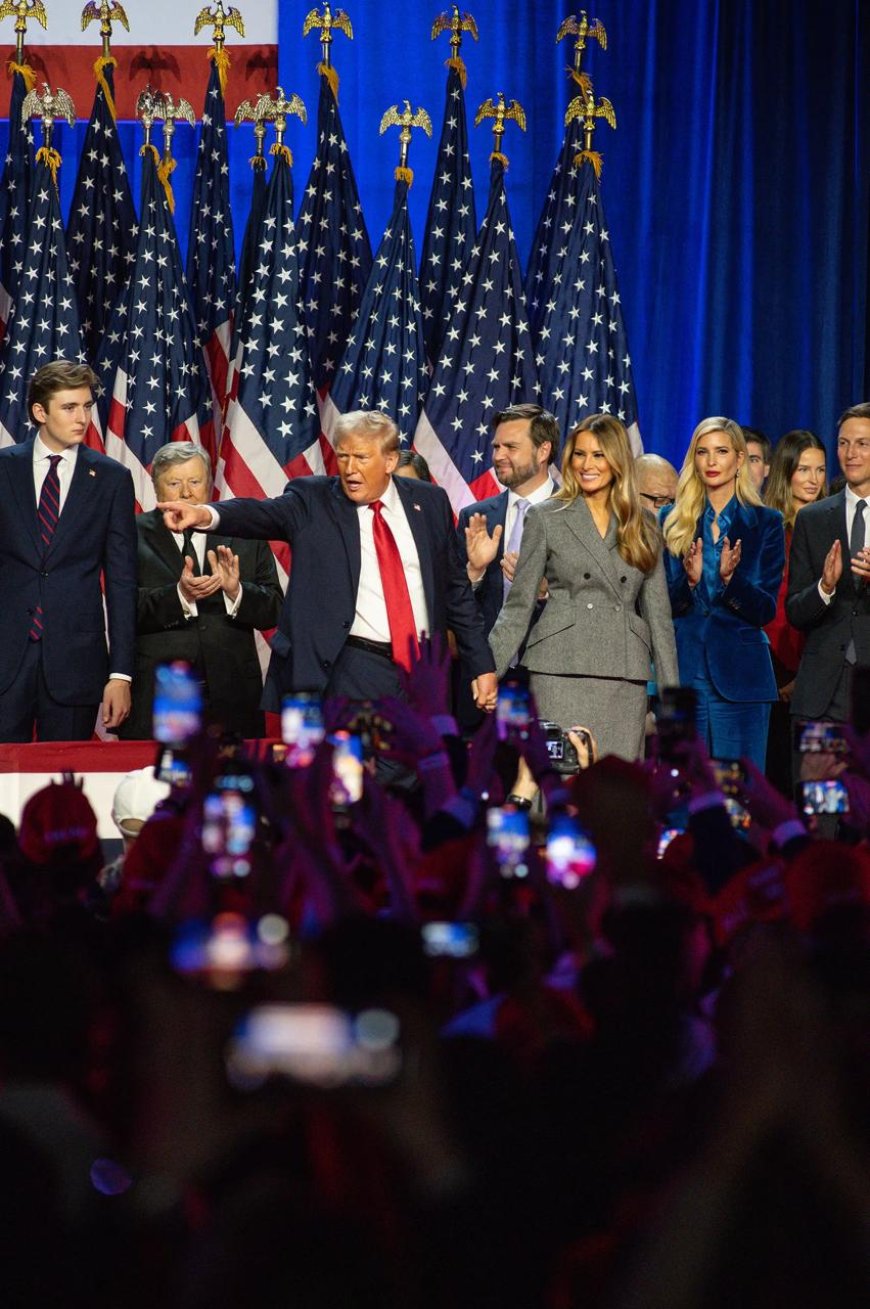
<point>370,424</point>
<point>178,452</point>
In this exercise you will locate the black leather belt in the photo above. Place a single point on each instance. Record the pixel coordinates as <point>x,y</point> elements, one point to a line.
<point>382,648</point>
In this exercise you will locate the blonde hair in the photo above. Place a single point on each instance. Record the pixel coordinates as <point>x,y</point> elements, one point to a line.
<point>637,535</point>
<point>370,424</point>
<point>681,523</point>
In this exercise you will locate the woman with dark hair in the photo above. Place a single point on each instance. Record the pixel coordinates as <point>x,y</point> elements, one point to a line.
<point>797,478</point>
<point>607,616</point>
<point>412,465</point>
<point>724,560</point>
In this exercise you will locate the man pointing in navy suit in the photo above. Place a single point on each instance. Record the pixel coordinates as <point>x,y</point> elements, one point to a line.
<point>375,566</point>
<point>66,517</point>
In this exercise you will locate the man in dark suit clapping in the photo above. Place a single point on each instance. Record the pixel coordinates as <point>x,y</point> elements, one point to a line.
<point>201,605</point>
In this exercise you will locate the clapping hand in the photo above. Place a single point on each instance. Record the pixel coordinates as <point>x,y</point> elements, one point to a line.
<point>195,586</point>
<point>480,547</point>
<point>225,567</point>
<point>693,561</point>
<point>729,559</point>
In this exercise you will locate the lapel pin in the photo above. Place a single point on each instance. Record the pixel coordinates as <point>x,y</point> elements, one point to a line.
<point>417,507</point>
<point>91,472</point>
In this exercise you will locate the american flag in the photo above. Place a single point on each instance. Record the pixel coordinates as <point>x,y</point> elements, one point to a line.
<point>336,255</point>
<point>248,260</point>
<point>211,264</point>
<point>485,364</point>
<point>14,196</point>
<point>102,230</point>
<point>44,322</point>
<point>273,426</point>
<point>150,361</point>
<point>575,313</point>
<point>384,365</point>
<point>451,223</point>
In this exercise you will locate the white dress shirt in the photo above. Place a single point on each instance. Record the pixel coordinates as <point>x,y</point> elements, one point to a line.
<point>371,619</point>
<point>851,502</point>
<point>198,545</point>
<point>536,497</point>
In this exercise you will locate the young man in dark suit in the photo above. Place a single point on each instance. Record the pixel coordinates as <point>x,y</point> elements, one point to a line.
<point>66,518</point>
<point>375,565</point>
<point>829,580</point>
<point>201,605</point>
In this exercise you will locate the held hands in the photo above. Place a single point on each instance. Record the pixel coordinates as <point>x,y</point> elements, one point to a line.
<point>484,688</point>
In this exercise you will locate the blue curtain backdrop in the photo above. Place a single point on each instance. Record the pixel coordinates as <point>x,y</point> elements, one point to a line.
<point>736,186</point>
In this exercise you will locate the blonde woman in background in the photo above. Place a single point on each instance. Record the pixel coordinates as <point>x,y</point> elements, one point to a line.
<point>608,615</point>
<point>724,560</point>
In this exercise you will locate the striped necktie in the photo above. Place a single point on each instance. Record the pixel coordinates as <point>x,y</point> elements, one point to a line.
<point>48,512</point>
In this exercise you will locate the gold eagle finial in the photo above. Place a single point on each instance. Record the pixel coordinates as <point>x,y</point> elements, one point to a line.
<point>217,17</point>
<point>160,106</point>
<point>272,109</point>
<point>581,28</point>
<point>48,106</point>
<point>584,106</point>
<point>105,13</point>
<point>455,24</point>
<point>21,11</point>
<point>406,121</point>
<point>502,113</point>
<point>327,21</point>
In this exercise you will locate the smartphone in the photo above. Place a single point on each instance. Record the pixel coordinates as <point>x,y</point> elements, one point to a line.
<point>731,778</point>
<point>507,835</point>
<point>172,766</point>
<point>224,951</point>
<point>229,825</point>
<point>825,797</point>
<point>450,940</point>
<point>668,834</point>
<point>302,727</point>
<point>570,853</point>
<point>177,703</point>
<point>676,715</point>
<point>512,712</point>
<point>317,1045</point>
<point>820,738</point>
<point>347,770</point>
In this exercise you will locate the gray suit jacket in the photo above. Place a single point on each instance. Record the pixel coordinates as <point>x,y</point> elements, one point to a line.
<point>604,618</point>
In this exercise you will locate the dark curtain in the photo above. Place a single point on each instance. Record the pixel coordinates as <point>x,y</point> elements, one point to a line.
<point>736,185</point>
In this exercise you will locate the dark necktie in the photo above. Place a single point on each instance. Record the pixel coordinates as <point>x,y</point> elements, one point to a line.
<point>856,543</point>
<point>189,550</point>
<point>48,512</point>
<point>397,597</point>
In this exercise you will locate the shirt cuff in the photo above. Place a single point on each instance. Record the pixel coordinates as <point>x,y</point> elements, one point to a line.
<point>215,520</point>
<point>826,599</point>
<point>232,606</point>
<point>120,677</point>
<point>188,607</point>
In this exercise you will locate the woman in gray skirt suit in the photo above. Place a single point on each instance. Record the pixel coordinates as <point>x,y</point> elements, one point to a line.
<point>608,615</point>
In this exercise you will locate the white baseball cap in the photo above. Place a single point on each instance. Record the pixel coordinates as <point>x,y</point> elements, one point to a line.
<point>136,797</point>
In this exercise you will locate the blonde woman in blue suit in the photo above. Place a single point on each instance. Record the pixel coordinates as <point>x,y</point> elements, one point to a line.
<point>608,615</point>
<point>725,554</point>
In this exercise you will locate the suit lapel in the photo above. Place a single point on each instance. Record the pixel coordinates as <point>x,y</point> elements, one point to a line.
<point>347,520</point>
<point>837,531</point>
<point>582,524</point>
<point>85,488</point>
<point>415,512</point>
<point>21,477</point>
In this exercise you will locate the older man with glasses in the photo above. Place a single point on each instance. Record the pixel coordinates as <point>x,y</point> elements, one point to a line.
<point>656,481</point>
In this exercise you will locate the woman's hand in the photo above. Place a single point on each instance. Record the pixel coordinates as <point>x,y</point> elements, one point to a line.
<point>729,560</point>
<point>693,562</point>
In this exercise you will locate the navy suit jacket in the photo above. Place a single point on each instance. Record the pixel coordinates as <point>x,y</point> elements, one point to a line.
<point>830,627</point>
<point>490,593</point>
<point>96,533</point>
<point>321,524</point>
<point>729,640</point>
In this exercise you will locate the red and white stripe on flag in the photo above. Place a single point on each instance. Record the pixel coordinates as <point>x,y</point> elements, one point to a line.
<point>159,49</point>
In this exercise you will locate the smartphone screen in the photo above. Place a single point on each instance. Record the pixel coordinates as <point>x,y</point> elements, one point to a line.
<point>826,797</point>
<point>507,835</point>
<point>172,766</point>
<point>316,1044</point>
<point>302,727</point>
<point>347,769</point>
<point>177,703</point>
<point>570,853</point>
<point>229,825</point>
<point>820,738</point>
<point>450,940</point>
<point>731,778</point>
<point>512,710</point>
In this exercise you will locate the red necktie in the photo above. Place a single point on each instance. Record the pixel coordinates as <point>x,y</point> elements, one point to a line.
<point>48,512</point>
<point>400,614</point>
